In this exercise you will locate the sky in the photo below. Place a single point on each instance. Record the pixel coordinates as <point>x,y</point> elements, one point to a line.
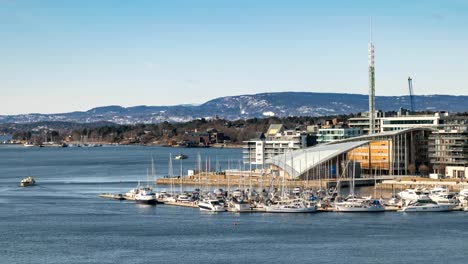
<point>61,56</point>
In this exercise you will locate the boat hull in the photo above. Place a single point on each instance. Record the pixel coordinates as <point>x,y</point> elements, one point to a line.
<point>346,209</point>
<point>435,208</point>
<point>152,202</point>
<point>210,209</point>
<point>270,209</point>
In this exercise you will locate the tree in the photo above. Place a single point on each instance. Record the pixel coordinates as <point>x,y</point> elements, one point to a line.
<point>423,169</point>
<point>412,169</point>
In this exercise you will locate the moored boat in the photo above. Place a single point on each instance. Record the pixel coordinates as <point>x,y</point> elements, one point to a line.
<point>354,204</point>
<point>211,205</point>
<point>424,205</point>
<point>145,196</point>
<point>291,206</point>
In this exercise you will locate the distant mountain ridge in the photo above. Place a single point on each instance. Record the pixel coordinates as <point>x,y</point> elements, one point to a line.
<point>249,106</point>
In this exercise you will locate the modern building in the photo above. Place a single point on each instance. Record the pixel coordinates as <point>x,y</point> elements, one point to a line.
<point>448,149</point>
<point>411,121</point>
<point>402,120</point>
<point>326,135</point>
<point>362,122</point>
<point>277,140</point>
<point>399,152</point>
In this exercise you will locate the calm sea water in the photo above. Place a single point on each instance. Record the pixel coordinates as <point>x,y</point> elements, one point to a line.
<point>61,220</point>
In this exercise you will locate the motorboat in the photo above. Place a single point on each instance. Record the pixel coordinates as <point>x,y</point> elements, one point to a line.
<point>413,194</point>
<point>28,181</point>
<point>239,205</point>
<point>163,197</point>
<point>424,205</point>
<point>184,198</point>
<point>354,204</point>
<point>211,205</point>
<point>444,198</point>
<point>145,196</point>
<point>463,196</point>
<point>181,157</point>
<point>291,206</point>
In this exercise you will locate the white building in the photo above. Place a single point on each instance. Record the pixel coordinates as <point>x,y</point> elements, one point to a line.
<point>276,141</point>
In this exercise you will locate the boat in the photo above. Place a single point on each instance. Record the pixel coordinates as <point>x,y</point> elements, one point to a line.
<point>211,205</point>
<point>28,181</point>
<point>424,205</point>
<point>354,204</point>
<point>146,196</point>
<point>181,157</point>
<point>163,197</point>
<point>358,204</point>
<point>413,194</point>
<point>298,205</point>
<point>463,196</point>
<point>184,198</point>
<point>444,198</point>
<point>238,205</point>
<point>28,144</point>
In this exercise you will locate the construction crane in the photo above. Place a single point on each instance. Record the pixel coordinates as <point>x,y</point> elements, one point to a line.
<point>410,87</point>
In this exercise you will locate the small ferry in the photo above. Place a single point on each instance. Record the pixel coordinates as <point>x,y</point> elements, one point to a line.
<point>28,181</point>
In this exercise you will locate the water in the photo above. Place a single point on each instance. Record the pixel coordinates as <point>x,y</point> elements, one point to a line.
<point>61,220</point>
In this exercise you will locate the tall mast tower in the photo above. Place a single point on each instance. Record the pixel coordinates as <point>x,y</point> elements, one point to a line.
<point>371,84</point>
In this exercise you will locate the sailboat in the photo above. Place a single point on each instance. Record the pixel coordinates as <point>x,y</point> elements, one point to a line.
<point>357,204</point>
<point>145,194</point>
<point>288,205</point>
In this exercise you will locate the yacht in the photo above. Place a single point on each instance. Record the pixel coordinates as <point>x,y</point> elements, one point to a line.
<point>424,205</point>
<point>413,194</point>
<point>28,181</point>
<point>238,205</point>
<point>353,204</point>
<point>163,197</point>
<point>444,198</point>
<point>291,206</point>
<point>146,196</point>
<point>184,198</point>
<point>463,196</point>
<point>211,205</point>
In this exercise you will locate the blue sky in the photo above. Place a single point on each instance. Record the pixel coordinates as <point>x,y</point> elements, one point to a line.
<point>59,56</point>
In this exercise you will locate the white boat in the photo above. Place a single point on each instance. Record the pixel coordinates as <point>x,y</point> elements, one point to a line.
<point>424,205</point>
<point>181,157</point>
<point>146,196</point>
<point>413,194</point>
<point>163,197</point>
<point>184,198</point>
<point>28,144</point>
<point>291,206</point>
<point>463,196</point>
<point>238,205</point>
<point>28,181</point>
<point>444,198</point>
<point>211,205</point>
<point>354,204</point>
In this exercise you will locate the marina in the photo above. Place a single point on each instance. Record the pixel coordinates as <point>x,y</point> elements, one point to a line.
<point>70,185</point>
